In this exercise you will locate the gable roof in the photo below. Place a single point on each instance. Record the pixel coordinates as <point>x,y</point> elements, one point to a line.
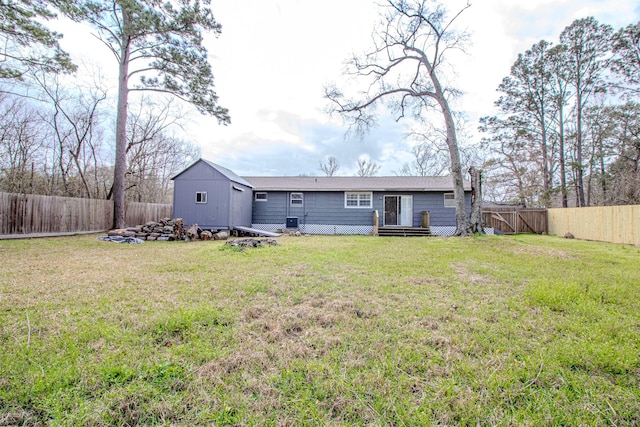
<point>224,171</point>
<point>354,183</point>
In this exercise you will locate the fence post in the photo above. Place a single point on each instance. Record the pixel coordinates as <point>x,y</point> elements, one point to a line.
<point>375,222</point>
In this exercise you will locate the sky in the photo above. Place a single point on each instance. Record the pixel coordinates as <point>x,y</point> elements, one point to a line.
<point>274,57</point>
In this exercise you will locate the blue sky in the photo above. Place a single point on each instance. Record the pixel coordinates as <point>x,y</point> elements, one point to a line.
<point>274,57</point>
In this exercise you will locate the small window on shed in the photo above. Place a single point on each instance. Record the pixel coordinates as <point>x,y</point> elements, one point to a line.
<point>201,197</point>
<point>297,199</point>
<point>449,200</point>
<point>261,197</point>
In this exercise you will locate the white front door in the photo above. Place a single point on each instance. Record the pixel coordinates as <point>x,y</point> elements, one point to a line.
<point>406,211</point>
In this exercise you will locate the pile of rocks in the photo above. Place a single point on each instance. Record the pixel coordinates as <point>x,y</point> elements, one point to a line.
<point>194,232</point>
<point>166,229</point>
<point>252,243</point>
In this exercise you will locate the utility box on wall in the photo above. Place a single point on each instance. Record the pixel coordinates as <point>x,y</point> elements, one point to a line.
<point>292,222</point>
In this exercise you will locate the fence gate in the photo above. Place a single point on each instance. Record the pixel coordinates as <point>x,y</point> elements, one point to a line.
<point>512,220</point>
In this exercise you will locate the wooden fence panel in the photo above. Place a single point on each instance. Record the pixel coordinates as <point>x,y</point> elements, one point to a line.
<point>511,220</point>
<point>35,214</point>
<point>140,213</point>
<point>615,224</point>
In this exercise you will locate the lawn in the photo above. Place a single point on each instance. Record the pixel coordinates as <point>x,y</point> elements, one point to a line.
<point>321,330</point>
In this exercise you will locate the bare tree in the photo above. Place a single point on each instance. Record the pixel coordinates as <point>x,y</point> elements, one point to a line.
<point>428,160</point>
<point>367,167</point>
<point>75,122</point>
<point>154,154</point>
<point>21,140</point>
<point>404,68</point>
<point>330,166</point>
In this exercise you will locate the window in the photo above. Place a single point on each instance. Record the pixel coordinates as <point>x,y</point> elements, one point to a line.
<point>201,197</point>
<point>449,200</point>
<point>357,200</point>
<point>297,199</point>
<point>261,197</point>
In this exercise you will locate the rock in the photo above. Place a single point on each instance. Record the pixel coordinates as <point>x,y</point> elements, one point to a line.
<point>206,235</point>
<point>251,243</point>
<point>221,235</point>
<point>568,235</point>
<point>163,239</point>
<point>193,232</point>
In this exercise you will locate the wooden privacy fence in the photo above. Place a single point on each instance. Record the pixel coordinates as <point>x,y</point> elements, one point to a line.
<point>513,220</point>
<point>615,224</point>
<point>31,214</point>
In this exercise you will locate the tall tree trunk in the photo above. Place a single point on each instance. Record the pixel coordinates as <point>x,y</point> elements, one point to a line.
<point>462,221</point>
<point>580,171</point>
<point>476,200</point>
<point>563,171</point>
<point>120,169</point>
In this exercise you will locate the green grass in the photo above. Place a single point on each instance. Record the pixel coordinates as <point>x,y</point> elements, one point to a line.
<point>322,330</point>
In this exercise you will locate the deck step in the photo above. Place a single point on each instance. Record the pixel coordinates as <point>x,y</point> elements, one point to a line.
<point>404,231</point>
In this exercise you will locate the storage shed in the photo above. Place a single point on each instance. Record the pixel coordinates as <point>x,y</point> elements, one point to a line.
<point>212,196</point>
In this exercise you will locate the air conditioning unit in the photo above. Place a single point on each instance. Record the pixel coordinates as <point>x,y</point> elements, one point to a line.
<point>292,222</point>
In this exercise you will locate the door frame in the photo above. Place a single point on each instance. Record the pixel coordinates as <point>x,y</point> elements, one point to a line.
<point>399,214</point>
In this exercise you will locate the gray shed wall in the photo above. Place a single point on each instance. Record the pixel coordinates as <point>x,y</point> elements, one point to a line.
<point>222,210</point>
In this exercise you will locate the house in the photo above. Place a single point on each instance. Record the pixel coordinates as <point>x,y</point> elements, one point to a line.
<point>216,198</point>
<point>211,196</point>
<point>344,205</point>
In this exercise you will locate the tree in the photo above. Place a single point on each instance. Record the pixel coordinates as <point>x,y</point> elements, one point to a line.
<point>527,93</point>
<point>330,166</point>
<point>21,140</point>
<point>404,69</point>
<point>561,94</point>
<point>26,43</point>
<point>625,168</point>
<point>626,62</point>
<point>512,169</point>
<point>154,154</point>
<point>75,123</point>
<point>427,160</point>
<point>587,44</point>
<point>367,167</point>
<point>162,45</point>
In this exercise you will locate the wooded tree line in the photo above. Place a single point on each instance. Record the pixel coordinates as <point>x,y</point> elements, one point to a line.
<point>568,128</point>
<point>59,136</point>
<point>59,142</point>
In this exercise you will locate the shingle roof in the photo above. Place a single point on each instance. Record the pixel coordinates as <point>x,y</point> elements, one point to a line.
<point>224,171</point>
<point>354,183</point>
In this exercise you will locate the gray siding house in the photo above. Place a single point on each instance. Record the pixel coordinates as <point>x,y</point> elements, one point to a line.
<point>211,196</point>
<point>345,205</point>
<point>215,198</point>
